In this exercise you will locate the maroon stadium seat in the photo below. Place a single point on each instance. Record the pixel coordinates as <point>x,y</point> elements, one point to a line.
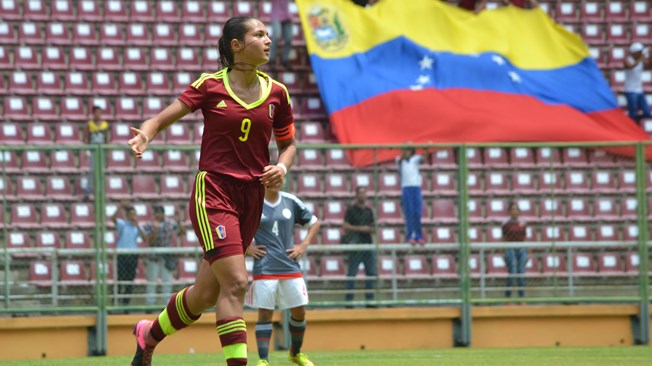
<point>11,133</point>
<point>193,11</point>
<point>161,59</point>
<point>34,161</point>
<point>78,240</point>
<point>84,34</point>
<point>332,266</point>
<point>82,215</point>
<point>53,215</point>
<point>40,273</point>
<point>137,34</point>
<point>603,181</point>
<point>73,273</point>
<point>640,11</point>
<point>62,10</point>
<point>30,33</point>
<point>615,11</point>
<point>27,58</point>
<point>57,34</point>
<point>107,59</point>
<point>116,187</point>
<point>115,11</point>
<point>59,188</point>
<point>164,35</point>
<point>48,83</point>
<point>44,109</point>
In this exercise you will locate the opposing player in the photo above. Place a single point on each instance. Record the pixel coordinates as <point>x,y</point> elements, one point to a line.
<point>241,108</point>
<point>277,275</point>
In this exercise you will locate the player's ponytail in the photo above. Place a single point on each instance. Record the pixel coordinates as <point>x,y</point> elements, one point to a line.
<point>234,28</point>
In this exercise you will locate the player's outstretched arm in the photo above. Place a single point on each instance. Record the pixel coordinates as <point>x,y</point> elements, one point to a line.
<point>151,127</point>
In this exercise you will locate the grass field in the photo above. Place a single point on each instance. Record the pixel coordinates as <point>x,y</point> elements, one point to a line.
<point>620,356</point>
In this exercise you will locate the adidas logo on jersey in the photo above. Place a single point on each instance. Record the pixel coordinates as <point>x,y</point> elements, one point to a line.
<point>221,104</point>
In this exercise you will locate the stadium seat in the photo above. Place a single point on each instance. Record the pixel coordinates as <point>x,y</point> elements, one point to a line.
<point>190,35</point>
<point>592,33</point>
<point>309,185</point>
<point>365,180</point>
<point>244,8</point>
<point>11,133</point>
<point>188,58</point>
<point>107,59</point>
<point>161,59</point>
<point>57,34</point>
<point>53,215</point>
<point>389,184</point>
<point>415,266</point>
<point>157,83</point>
<point>617,34</point>
<point>9,162</point>
<point>19,240</point>
<point>575,157</point>
<point>641,32</point>
<point>84,34</point>
<point>567,11</point>
<point>144,187</point>
<point>30,33</point>
<point>177,134</point>
<point>59,188</point>
<point>443,184</point>
<point>389,212</point>
<point>615,11</point>
<point>603,182</point>
<point>103,269</point>
<point>172,187</point>
<point>48,83</point>
<point>640,11</point>
<point>150,162</point>
<point>67,134</point>
<point>115,11</point>
<point>337,185</point>
<point>44,109</point>
<point>312,108</point>
<point>23,215</point>
<point>72,109</point>
<point>62,11</point>
<point>34,161</point>
<point>190,239</point>
<point>141,11</point>
<point>578,209</point>
<point>494,234</point>
<point>47,239</point>
<point>331,266</point>
<point>632,261</point>
<point>310,83</point>
<point>443,235</point>
<point>551,234</point>
<point>583,264</point>
<point>20,82</point>
<point>163,35</point>
<point>129,83</point>
<point>497,210</point>
<point>331,235</point>
<point>311,132</point>
<point>80,59</point>
<point>599,54</point>
<point>35,10</point>
<point>212,36</point>
<point>40,273</point>
<point>337,159</point>
<point>610,264</point>
<point>218,11</point>
<point>126,109</point>
<point>180,82</point>
<point>628,208</point>
<point>88,10</point>
<point>605,209</point>
<point>474,208</point>
<point>334,212</point>
<point>27,58</point>
<point>602,159</point>
<point>167,11</point>
<point>579,233</point>
<point>546,156</point>
<point>176,161</point>
<point>152,106</point>
<point>7,33</point>
<point>5,61</point>
<point>389,235</point>
<point>523,183</point>
<point>116,187</point>
<point>111,34</point>
<point>475,265</point>
<point>76,83</point>
<point>388,267</point>
<point>73,273</point>
<point>606,233</point>
<point>443,266</point>
<point>103,82</point>
<point>78,240</point>
<point>554,264</point>
<point>497,183</point>
<point>591,11</point>
<point>616,58</point>
<point>82,215</point>
<point>137,34</point>
<point>528,210</point>
<point>133,58</point>
<point>474,184</point>
<point>444,211</point>
<point>187,269</point>
<point>496,266</point>
<point>576,182</point>
<point>444,159</point>
<point>193,11</point>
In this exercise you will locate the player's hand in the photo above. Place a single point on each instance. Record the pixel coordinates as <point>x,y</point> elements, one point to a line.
<point>296,252</point>
<point>256,251</point>
<point>272,176</point>
<point>138,143</point>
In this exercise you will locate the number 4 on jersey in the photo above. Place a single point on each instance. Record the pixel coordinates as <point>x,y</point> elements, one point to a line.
<point>275,228</point>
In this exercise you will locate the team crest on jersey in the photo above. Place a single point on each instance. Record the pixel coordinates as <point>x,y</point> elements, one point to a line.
<point>287,213</point>
<point>327,27</point>
<point>272,110</point>
<point>221,231</point>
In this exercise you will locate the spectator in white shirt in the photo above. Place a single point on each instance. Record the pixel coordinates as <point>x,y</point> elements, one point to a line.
<point>411,197</point>
<point>637,60</point>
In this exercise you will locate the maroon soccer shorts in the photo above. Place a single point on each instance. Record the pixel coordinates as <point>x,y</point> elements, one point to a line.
<point>225,214</point>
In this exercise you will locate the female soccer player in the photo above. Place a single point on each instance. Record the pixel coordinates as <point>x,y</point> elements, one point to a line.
<point>277,275</point>
<point>241,107</point>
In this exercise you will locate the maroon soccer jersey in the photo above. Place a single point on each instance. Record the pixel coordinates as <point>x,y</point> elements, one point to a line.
<point>514,230</point>
<point>236,134</point>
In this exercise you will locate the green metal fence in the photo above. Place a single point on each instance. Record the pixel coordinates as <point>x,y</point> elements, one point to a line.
<point>464,269</point>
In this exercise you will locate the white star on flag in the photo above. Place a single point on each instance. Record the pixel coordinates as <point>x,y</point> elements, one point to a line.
<point>497,59</point>
<point>423,79</point>
<point>426,63</point>
<point>514,76</point>
<point>416,87</point>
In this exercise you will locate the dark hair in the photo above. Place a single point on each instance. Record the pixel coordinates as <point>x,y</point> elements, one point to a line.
<point>512,204</point>
<point>129,209</point>
<point>158,208</point>
<point>234,28</point>
<point>96,107</point>
<point>358,188</point>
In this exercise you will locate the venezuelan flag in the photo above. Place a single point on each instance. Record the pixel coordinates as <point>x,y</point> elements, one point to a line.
<point>425,71</point>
